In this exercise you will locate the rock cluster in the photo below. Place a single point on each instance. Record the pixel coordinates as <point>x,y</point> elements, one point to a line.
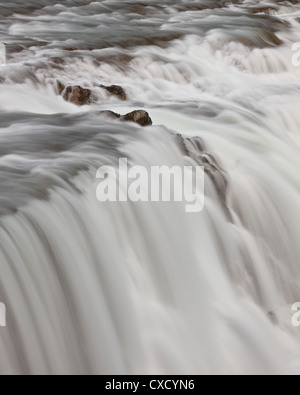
<point>83,96</point>
<point>75,94</point>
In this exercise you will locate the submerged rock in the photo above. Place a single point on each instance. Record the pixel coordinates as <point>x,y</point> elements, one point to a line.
<point>116,91</point>
<point>140,117</point>
<point>61,87</point>
<point>263,10</point>
<point>78,95</point>
<point>81,96</point>
<point>75,94</point>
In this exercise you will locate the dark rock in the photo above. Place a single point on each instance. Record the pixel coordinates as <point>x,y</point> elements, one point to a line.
<point>262,10</point>
<point>77,95</point>
<point>116,91</point>
<point>59,61</point>
<point>61,87</point>
<point>140,117</point>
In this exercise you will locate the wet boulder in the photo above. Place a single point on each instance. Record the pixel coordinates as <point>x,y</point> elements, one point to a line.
<point>78,95</point>
<point>116,91</point>
<point>60,86</point>
<point>140,117</point>
<point>75,94</point>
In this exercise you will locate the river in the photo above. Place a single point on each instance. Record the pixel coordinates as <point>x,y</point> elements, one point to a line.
<point>146,288</point>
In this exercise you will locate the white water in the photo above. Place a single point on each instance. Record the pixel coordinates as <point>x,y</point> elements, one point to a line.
<point>146,288</point>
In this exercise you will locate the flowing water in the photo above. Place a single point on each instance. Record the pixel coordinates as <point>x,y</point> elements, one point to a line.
<point>145,288</point>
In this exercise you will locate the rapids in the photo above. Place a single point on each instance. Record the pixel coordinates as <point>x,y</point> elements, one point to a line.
<point>145,288</point>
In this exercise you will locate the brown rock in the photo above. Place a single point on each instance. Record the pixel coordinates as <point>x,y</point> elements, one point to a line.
<point>61,87</point>
<point>77,95</point>
<point>116,91</point>
<point>262,10</point>
<point>140,117</point>
<point>59,61</point>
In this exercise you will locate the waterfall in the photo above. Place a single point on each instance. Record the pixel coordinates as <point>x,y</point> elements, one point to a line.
<point>145,287</point>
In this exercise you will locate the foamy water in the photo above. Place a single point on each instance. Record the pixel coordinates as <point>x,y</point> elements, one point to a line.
<point>145,288</point>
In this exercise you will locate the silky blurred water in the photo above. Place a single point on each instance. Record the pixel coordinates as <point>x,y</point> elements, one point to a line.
<point>145,288</point>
